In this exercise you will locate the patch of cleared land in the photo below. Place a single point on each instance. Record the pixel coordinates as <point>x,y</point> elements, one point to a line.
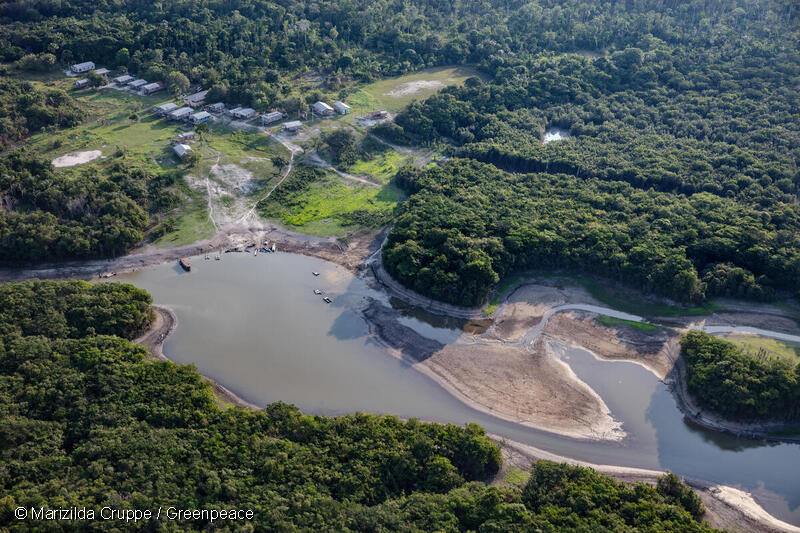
<point>334,205</point>
<point>76,158</point>
<point>393,94</point>
<point>758,346</point>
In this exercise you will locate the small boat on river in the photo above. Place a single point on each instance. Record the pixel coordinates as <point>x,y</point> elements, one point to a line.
<point>317,291</point>
<point>273,246</point>
<point>185,265</point>
<point>217,257</point>
<point>315,273</point>
<point>327,300</point>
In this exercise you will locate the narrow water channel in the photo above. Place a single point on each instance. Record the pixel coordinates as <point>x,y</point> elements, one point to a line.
<point>255,325</point>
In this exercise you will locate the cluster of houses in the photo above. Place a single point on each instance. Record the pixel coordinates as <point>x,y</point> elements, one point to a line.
<point>127,81</point>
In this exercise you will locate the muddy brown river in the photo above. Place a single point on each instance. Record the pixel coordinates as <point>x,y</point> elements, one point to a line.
<point>255,325</point>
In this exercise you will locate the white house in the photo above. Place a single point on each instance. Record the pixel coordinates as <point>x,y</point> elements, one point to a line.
<point>80,84</point>
<point>182,150</point>
<point>186,137</point>
<point>219,107</point>
<point>86,66</point>
<point>341,108</point>
<point>199,118</point>
<point>293,127</point>
<point>138,84</point>
<point>123,80</point>
<point>180,114</point>
<point>269,118</point>
<point>152,88</point>
<point>163,109</point>
<point>102,72</point>
<point>242,113</point>
<point>322,109</point>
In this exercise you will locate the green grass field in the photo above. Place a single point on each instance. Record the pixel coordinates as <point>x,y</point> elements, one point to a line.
<point>324,208</point>
<point>393,94</point>
<point>382,167</point>
<point>755,345</point>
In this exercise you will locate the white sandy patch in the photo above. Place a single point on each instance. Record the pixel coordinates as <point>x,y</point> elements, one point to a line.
<point>76,158</point>
<point>413,87</point>
<point>235,178</point>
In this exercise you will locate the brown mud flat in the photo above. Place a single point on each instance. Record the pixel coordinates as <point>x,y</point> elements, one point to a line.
<point>526,305</point>
<point>657,351</point>
<point>531,388</point>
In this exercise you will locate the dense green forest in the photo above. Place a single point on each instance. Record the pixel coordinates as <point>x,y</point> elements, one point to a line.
<point>736,385</point>
<point>87,420</point>
<point>695,133</point>
<point>25,109</point>
<point>82,213</point>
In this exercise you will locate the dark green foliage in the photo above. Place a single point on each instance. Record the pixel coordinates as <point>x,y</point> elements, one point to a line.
<point>695,132</point>
<point>467,224</point>
<point>51,215</point>
<point>723,379</point>
<point>86,420</point>
<point>25,110</point>
<point>73,309</point>
<point>342,143</point>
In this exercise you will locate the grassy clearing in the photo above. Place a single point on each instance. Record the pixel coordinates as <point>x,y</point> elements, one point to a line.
<point>500,290</point>
<point>333,206</point>
<point>191,225</point>
<point>382,167</point>
<point>765,347</point>
<point>517,476</point>
<point>393,94</point>
<point>612,322</point>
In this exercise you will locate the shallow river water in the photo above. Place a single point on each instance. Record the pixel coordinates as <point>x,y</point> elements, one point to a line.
<point>254,325</point>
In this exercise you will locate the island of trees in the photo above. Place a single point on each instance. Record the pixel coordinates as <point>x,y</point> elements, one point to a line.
<point>87,419</point>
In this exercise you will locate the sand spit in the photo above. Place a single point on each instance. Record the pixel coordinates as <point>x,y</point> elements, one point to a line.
<point>528,387</point>
<point>76,158</point>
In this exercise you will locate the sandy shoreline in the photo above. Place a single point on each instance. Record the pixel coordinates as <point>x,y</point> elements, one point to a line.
<point>349,253</point>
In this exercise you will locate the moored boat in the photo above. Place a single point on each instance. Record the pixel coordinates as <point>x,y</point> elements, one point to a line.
<point>317,291</point>
<point>185,264</point>
<point>327,300</point>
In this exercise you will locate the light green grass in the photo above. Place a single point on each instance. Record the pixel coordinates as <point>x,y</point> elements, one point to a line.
<point>754,345</point>
<point>612,322</point>
<point>382,167</point>
<point>517,476</point>
<point>322,208</point>
<point>377,95</point>
<point>192,227</point>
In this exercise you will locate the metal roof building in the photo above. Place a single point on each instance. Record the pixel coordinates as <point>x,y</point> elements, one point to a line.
<point>123,80</point>
<point>321,108</point>
<point>181,150</point>
<point>86,66</point>
<point>269,118</point>
<point>180,114</point>
<point>341,108</point>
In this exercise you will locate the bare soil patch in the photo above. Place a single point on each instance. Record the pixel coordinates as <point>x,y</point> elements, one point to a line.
<point>413,87</point>
<point>76,158</point>
<point>656,350</point>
